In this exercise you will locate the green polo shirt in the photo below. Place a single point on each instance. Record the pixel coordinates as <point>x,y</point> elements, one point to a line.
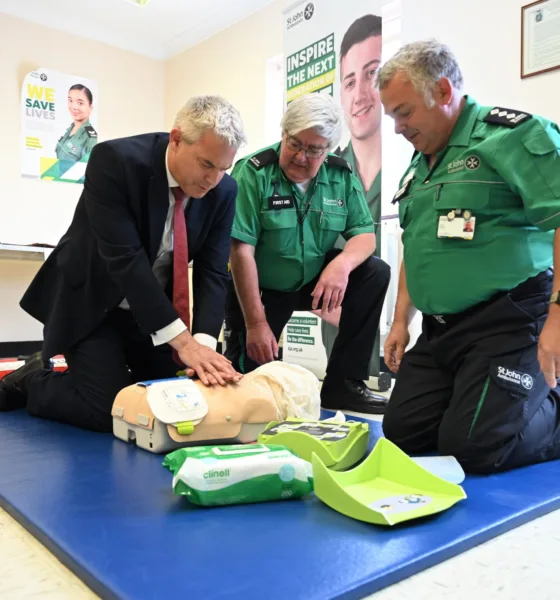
<point>373,197</point>
<point>506,175</point>
<point>78,146</point>
<point>289,249</point>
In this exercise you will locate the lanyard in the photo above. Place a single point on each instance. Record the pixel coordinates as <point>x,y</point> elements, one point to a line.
<point>407,182</point>
<point>308,205</point>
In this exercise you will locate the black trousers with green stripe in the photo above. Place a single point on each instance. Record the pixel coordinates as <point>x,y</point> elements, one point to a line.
<point>471,386</point>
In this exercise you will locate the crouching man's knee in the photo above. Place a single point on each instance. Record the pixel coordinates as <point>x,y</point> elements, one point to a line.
<point>406,433</point>
<point>474,455</point>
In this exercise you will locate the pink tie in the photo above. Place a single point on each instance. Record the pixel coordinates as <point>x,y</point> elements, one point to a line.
<point>180,264</point>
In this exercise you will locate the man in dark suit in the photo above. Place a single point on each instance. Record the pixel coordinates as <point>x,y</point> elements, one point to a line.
<point>113,296</point>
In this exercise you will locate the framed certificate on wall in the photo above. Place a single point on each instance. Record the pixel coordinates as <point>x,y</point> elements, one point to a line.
<point>540,37</point>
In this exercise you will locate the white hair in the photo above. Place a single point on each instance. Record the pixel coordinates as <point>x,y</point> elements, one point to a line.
<point>423,63</point>
<point>315,111</point>
<point>202,113</point>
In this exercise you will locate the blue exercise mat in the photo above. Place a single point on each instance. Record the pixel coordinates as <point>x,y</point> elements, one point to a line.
<point>107,511</point>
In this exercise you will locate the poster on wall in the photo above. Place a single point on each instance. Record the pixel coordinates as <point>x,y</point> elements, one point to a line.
<point>59,125</point>
<point>334,47</point>
<point>540,37</point>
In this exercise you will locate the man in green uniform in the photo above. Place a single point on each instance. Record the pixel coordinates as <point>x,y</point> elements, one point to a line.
<point>294,200</point>
<point>78,146</point>
<point>360,57</point>
<point>479,207</point>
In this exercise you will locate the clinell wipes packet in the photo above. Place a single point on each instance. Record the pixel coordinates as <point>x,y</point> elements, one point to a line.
<point>221,475</point>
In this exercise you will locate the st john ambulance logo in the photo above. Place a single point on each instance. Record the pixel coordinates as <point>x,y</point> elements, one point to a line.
<point>515,377</point>
<point>472,163</point>
<point>309,10</point>
<point>527,382</point>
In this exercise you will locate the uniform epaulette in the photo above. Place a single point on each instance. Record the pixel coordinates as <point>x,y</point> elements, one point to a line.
<point>90,131</point>
<point>264,158</point>
<point>337,161</point>
<point>506,116</point>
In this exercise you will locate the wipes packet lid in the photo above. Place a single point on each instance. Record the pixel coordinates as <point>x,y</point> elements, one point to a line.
<point>233,453</point>
<point>176,400</point>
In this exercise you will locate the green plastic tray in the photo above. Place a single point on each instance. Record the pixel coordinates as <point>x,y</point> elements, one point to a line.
<point>338,445</point>
<point>387,488</point>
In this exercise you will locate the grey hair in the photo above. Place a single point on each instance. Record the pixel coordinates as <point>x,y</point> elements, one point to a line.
<point>423,63</point>
<point>210,112</point>
<point>316,111</point>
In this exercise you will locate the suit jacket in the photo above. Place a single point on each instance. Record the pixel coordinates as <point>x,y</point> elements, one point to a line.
<point>108,252</point>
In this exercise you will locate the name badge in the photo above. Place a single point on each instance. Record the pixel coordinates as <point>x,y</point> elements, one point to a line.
<point>280,202</point>
<point>452,226</point>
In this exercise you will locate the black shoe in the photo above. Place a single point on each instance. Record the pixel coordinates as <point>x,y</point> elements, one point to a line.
<point>350,394</point>
<point>13,387</point>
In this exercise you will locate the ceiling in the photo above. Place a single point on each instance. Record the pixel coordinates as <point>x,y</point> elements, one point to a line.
<point>160,29</point>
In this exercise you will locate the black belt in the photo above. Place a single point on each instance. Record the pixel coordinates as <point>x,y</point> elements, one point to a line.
<point>527,287</point>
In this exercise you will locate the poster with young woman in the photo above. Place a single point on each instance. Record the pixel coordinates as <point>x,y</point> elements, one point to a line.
<point>59,125</point>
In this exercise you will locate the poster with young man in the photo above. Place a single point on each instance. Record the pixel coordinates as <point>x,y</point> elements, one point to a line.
<point>334,47</point>
<point>59,125</point>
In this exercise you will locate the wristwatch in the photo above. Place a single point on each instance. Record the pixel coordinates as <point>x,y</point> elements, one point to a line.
<point>555,298</point>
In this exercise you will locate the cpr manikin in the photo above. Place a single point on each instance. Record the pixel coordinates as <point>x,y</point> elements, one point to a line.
<point>163,415</point>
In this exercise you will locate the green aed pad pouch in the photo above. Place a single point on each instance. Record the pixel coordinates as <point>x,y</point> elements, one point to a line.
<point>238,474</point>
<point>338,445</point>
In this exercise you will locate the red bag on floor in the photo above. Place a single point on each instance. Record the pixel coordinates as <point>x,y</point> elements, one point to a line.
<point>9,365</point>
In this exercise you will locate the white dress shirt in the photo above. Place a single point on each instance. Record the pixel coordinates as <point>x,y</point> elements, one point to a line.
<point>162,270</point>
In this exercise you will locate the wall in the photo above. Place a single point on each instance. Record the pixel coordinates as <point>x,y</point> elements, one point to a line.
<point>232,64</point>
<point>486,39</point>
<point>131,89</point>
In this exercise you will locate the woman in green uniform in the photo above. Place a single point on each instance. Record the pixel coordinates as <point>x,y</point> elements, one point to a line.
<point>294,200</point>
<point>79,139</point>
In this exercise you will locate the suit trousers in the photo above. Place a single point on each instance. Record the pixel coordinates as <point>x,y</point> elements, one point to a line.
<point>359,320</point>
<point>112,357</point>
<point>472,387</point>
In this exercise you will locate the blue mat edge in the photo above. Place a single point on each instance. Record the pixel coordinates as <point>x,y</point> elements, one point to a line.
<point>361,588</point>
<point>357,590</point>
<point>92,582</point>
<point>365,587</point>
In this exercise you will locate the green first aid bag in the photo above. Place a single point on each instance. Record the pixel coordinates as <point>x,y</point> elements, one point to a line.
<point>221,475</point>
